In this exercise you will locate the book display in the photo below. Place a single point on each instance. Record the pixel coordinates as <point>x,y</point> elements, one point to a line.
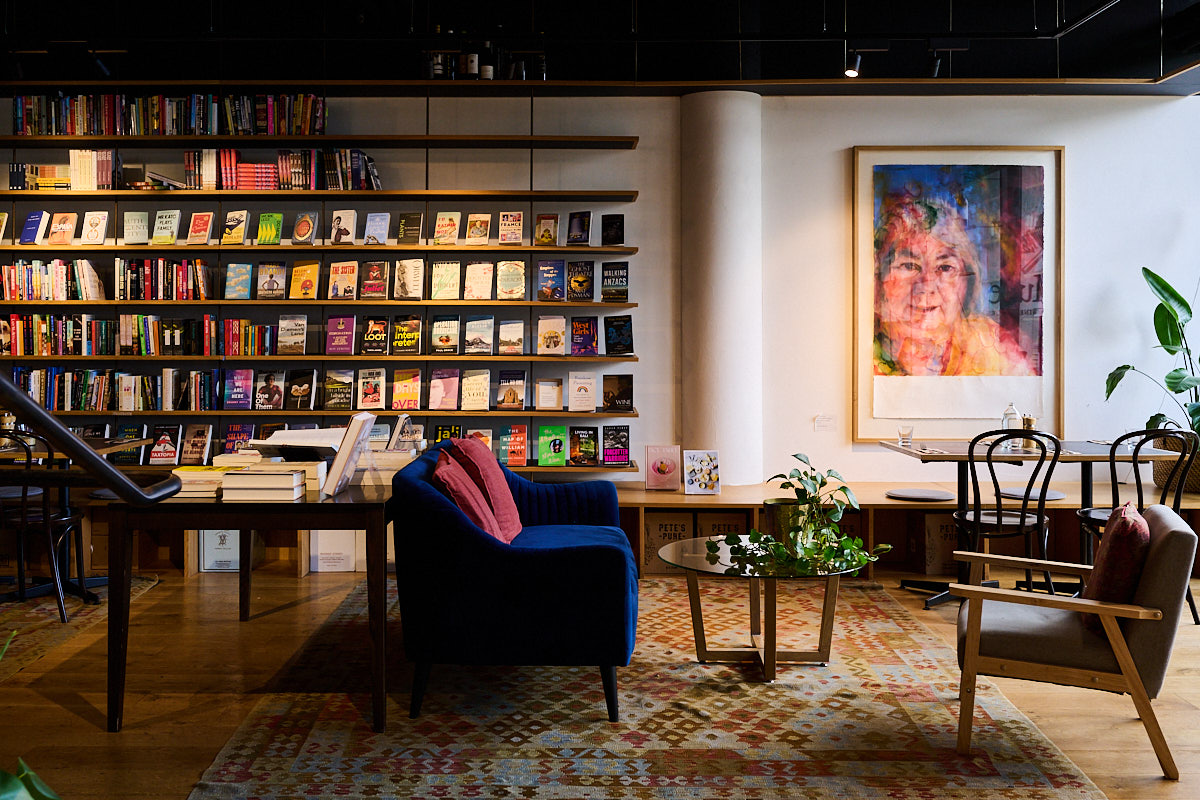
<point>290,312</point>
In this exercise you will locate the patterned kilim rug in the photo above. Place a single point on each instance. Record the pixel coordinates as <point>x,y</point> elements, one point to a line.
<point>38,629</point>
<point>878,722</point>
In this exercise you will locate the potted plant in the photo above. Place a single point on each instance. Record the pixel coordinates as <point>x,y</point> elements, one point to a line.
<point>25,785</point>
<point>1181,384</point>
<point>806,539</point>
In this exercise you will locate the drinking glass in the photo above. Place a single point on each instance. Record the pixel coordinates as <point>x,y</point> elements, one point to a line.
<point>904,435</point>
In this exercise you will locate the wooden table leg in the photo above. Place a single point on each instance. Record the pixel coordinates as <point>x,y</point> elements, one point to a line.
<point>755,618</point>
<point>245,553</point>
<point>697,617</point>
<point>377,617</point>
<point>827,613</point>
<point>769,630</point>
<point>120,573</point>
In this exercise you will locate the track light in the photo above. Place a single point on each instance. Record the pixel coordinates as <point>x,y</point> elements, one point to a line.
<point>935,65</point>
<point>852,65</point>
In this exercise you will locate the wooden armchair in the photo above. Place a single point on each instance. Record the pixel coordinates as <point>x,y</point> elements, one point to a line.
<point>1044,638</point>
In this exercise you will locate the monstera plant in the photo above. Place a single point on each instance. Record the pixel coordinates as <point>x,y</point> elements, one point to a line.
<point>807,539</point>
<point>24,785</point>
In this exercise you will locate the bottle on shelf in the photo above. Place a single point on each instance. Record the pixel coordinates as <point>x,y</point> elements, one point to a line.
<point>469,62</point>
<point>1010,420</point>
<point>487,63</point>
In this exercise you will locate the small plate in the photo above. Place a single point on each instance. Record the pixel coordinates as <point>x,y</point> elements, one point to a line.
<point>919,494</point>
<point>1018,492</point>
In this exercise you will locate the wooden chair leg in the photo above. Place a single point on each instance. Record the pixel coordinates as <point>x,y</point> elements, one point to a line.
<point>608,674</point>
<point>966,688</point>
<point>56,575</point>
<point>1141,701</point>
<point>420,680</point>
<point>1191,601</point>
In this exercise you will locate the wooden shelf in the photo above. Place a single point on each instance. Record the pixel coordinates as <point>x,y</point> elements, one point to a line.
<point>534,469</point>
<point>378,141</point>
<point>301,248</point>
<point>583,305</point>
<point>416,195</point>
<point>315,357</point>
<point>345,412</point>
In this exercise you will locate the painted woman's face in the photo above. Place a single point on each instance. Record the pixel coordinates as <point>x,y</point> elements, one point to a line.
<point>922,292</point>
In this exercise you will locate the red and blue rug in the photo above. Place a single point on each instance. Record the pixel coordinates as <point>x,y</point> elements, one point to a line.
<point>879,721</point>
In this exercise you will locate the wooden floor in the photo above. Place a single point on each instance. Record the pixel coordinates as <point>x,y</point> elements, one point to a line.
<point>194,668</point>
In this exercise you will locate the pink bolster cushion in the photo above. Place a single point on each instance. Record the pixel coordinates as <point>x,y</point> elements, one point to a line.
<point>1119,560</point>
<point>450,476</point>
<point>477,459</point>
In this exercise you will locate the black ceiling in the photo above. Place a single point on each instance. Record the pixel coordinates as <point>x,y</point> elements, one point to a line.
<point>1030,46</point>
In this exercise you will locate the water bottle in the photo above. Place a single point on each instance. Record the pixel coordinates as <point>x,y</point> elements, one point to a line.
<point>1011,421</point>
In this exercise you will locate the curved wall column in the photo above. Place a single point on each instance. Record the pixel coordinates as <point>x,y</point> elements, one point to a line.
<point>721,292</point>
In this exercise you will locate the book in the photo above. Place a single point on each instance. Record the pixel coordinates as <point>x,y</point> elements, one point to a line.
<point>409,225</point>
<point>293,335</point>
<point>354,442</point>
<point>446,430</point>
<point>342,226</point>
<point>548,394</point>
<point>614,282</point>
<point>482,434</point>
<point>338,389</point>
<point>304,229</point>
<point>94,230</point>
<point>165,449</point>
<point>406,335</point>
<point>343,280</point>
<point>268,394</point>
<point>478,282</point>
<point>551,336</point>
<point>406,389</point>
<point>612,229</point>
<point>270,228</point>
<point>306,276</point>
<point>381,432</point>
<point>510,390</point>
<point>478,229</point>
<point>511,229</point>
<point>511,334</point>
<point>662,467</point>
<point>510,280</point>
<point>166,226</point>
<point>581,391</point>
<point>445,227</point>
<point>701,472</point>
<point>512,446</point>
<point>579,227</point>
<point>617,392</point>
<point>479,334</point>
<point>300,389</point>
<point>614,445</point>
<point>584,333</point>
<point>374,281</point>
<point>238,390</point>
<point>133,455</point>
<point>583,446</point>
<point>339,336</point>
<point>236,436</point>
<point>580,281</point>
<point>197,441</point>
<point>36,224</point>
<point>618,335</point>
<point>376,229</point>
<point>374,340</point>
<point>135,228</point>
<point>551,280</point>
<point>443,334</point>
<point>443,389</point>
<point>410,279</point>
<point>545,230</point>
<point>552,446</point>
<point>4,221</point>
<point>445,278</point>
<point>372,387</point>
<point>236,229</point>
<point>476,389</point>
<point>62,227</point>
<point>258,478</point>
<point>237,281</point>
<point>230,494</point>
<point>271,280</point>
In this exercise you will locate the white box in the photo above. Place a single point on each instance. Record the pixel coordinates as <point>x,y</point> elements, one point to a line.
<point>219,551</point>
<point>332,550</point>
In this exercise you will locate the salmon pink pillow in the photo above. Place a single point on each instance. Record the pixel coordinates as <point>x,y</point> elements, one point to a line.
<point>1119,561</point>
<point>459,487</point>
<point>477,459</point>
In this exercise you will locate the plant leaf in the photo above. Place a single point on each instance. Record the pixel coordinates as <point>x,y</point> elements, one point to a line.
<point>35,786</point>
<point>1167,328</point>
<point>1165,292</point>
<point>1178,380</point>
<point>802,457</point>
<point>1193,410</point>
<point>1159,421</point>
<point>850,498</point>
<point>11,788</point>
<point>1114,378</point>
<point>833,473</point>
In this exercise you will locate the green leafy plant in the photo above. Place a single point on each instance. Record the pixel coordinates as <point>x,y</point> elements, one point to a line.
<point>810,542</point>
<point>1171,316</point>
<point>25,785</point>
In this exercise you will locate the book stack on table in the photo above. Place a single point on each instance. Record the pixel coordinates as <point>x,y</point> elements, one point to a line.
<point>252,483</point>
<point>201,481</point>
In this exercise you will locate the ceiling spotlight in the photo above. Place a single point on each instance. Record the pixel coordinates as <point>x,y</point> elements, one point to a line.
<point>852,65</point>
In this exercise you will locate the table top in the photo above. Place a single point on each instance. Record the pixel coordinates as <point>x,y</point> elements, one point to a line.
<point>366,495</point>
<point>692,554</point>
<point>101,446</point>
<point>1072,452</point>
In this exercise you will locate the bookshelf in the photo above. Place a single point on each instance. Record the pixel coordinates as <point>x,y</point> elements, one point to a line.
<point>18,203</point>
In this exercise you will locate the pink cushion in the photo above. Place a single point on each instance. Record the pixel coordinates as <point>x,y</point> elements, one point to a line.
<point>1119,560</point>
<point>477,459</point>
<point>450,476</point>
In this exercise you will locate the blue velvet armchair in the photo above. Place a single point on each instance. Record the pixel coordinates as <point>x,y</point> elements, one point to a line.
<point>564,592</point>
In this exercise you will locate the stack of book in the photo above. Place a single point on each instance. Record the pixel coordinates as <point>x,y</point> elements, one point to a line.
<point>252,483</point>
<point>201,481</point>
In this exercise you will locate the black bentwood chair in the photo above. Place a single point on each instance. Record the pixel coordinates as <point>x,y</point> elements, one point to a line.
<point>987,517</point>
<point>1092,520</point>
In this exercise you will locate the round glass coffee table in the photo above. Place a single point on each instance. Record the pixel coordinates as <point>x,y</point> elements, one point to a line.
<point>693,557</point>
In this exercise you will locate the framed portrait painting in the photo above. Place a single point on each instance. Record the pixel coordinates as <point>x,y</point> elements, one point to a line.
<point>957,289</point>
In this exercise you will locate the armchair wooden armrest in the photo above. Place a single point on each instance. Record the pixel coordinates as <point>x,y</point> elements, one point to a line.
<point>1054,601</point>
<point>1019,562</point>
